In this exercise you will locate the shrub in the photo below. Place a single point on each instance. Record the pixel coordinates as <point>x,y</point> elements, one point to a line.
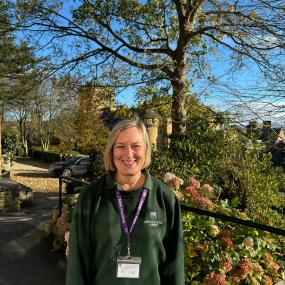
<point>10,144</point>
<point>217,252</point>
<point>46,156</point>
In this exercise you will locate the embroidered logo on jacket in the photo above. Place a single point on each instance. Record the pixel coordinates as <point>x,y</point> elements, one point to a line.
<point>153,221</point>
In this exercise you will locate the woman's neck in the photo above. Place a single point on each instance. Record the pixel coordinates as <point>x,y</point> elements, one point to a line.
<point>129,183</point>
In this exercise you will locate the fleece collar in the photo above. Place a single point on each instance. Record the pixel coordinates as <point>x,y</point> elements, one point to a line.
<point>111,183</point>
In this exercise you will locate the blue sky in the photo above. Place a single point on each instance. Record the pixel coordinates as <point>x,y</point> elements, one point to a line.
<point>218,96</point>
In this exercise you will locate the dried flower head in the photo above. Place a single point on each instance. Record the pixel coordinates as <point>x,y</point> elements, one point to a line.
<point>257,269</point>
<point>254,281</point>
<point>214,230</point>
<point>175,183</point>
<point>267,257</point>
<point>203,246</point>
<point>227,265</point>
<point>179,195</point>
<point>267,280</point>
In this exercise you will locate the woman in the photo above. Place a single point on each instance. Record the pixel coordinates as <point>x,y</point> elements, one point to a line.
<point>126,226</point>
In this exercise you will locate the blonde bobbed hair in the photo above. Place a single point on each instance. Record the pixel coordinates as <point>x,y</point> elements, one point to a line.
<point>120,126</point>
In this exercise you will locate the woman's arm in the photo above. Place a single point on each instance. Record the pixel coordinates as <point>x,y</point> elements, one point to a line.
<point>78,260</point>
<point>173,268</point>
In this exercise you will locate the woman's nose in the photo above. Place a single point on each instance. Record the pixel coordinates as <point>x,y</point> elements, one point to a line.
<point>129,151</point>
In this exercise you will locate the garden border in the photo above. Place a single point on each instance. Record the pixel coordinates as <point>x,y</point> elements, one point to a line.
<point>235,220</point>
<point>184,207</point>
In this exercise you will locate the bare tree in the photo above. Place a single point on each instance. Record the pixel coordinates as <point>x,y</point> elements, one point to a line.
<point>21,110</point>
<point>48,104</point>
<point>162,40</point>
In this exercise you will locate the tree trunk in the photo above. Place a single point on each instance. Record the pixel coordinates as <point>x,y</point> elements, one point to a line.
<point>25,146</point>
<point>45,144</point>
<point>179,86</point>
<point>23,136</point>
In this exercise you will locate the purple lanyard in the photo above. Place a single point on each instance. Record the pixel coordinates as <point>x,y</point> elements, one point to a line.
<point>123,216</point>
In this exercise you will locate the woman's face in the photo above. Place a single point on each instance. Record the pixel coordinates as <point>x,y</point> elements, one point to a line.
<point>129,152</point>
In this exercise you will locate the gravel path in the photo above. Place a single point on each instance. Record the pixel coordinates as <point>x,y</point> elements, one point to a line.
<point>34,174</point>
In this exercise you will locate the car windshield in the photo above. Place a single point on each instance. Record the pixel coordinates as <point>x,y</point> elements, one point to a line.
<point>73,159</point>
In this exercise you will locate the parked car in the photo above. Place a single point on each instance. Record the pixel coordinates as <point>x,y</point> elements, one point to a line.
<point>74,166</point>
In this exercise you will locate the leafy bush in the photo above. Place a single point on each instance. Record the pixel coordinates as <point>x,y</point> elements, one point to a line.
<point>45,156</point>
<point>222,253</point>
<point>10,144</point>
<point>219,155</point>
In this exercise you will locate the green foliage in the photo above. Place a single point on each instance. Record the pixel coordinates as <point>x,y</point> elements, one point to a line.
<point>10,143</point>
<point>217,153</point>
<point>167,42</point>
<point>84,129</point>
<point>217,250</point>
<point>45,156</point>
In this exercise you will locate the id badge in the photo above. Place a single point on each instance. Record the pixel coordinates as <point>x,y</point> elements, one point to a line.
<point>128,267</point>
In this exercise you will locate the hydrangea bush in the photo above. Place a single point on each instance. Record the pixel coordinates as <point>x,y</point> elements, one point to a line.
<point>217,252</point>
<point>61,224</point>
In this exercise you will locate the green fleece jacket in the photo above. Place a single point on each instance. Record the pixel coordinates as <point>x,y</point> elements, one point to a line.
<point>97,238</point>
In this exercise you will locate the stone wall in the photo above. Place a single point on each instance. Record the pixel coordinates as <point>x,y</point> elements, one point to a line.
<point>13,195</point>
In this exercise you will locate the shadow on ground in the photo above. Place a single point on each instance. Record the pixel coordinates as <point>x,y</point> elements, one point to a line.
<point>38,266</point>
<point>32,162</point>
<point>33,174</point>
<point>26,255</point>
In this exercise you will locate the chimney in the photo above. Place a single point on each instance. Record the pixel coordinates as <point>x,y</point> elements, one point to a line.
<point>251,127</point>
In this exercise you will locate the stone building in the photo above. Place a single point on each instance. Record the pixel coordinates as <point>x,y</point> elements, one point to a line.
<point>158,130</point>
<point>273,140</point>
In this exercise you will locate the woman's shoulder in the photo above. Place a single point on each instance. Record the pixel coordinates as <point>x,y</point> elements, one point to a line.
<point>161,188</point>
<point>93,188</point>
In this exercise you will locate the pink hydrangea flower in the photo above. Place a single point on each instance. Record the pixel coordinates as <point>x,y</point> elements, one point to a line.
<point>66,239</point>
<point>214,279</point>
<point>62,225</point>
<point>66,236</point>
<point>173,181</point>
<point>193,193</point>
<point>203,246</point>
<point>196,197</point>
<point>226,240</point>
<point>248,241</point>
<point>206,189</point>
<point>193,182</point>
<point>168,176</point>
<point>245,268</point>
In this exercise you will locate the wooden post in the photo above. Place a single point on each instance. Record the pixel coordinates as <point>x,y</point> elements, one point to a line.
<point>60,195</point>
